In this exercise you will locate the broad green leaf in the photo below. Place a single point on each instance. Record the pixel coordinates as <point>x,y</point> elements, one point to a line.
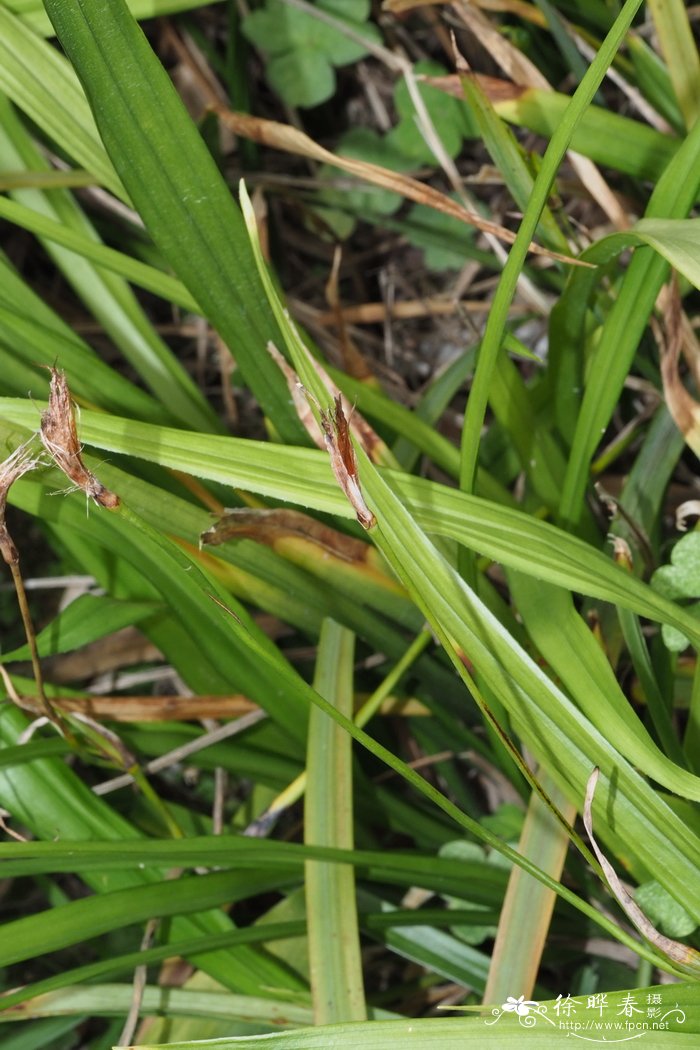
<point>451,121</point>
<point>678,240</point>
<point>301,84</point>
<point>439,236</point>
<point>664,911</point>
<point>175,185</point>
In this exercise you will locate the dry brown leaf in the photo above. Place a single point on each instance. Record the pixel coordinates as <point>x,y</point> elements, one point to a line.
<point>528,12</point>
<point>306,542</point>
<point>271,526</point>
<point>431,306</point>
<point>689,509</point>
<point>511,60</point>
<point>148,708</point>
<point>284,137</point>
<point>495,88</point>
<point>299,398</point>
<point>397,7</point>
<point>686,958</point>
<point>525,74</point>
<point>60,439</point>
<point>373,445</point>
<point>684,409</point>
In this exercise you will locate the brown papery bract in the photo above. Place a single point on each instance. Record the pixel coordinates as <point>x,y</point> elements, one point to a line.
<point>60,438</point>
<point>13,468</point>
<point>343,461</point>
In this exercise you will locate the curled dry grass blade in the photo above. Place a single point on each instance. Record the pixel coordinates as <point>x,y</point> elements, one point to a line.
<point>285,137</point>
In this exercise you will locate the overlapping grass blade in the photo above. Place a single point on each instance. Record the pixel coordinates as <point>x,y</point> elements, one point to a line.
<point>302,476</point>
<point>55,101</point>
<point>625,322</point>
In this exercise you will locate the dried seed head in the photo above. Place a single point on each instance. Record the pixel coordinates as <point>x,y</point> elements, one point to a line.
<point>13,468</point>
<point>343,461</point>
<point>60,439</point>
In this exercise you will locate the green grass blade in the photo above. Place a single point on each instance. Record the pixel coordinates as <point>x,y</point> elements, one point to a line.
<point>541,714</point>
<point>509,159</point>
<point>50,799</point>
<point>331,907</point>
<point>495,326</point>
<point>55,100</point>
<point>558,631</point>
<point>59,232</point>
<point>681,54</point>
<point>499,1029</point>
<point>32,11</point>
<point>625,322</point>
<point>114,1000</point>
<point>60,223</point>
<point>32,335</point>
<point>605,137</point>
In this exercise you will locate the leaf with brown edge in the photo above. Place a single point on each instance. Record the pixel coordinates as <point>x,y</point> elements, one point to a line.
<point>304,541</point>
<point>60,438</point>
<point>686,958</point>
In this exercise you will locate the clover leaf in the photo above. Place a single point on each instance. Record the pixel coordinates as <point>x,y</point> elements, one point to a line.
<point>450,118</point>
<point>680,579</point>
<point>302,50</point>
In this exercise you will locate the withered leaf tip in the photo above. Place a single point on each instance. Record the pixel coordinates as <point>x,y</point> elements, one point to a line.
<point>60,438</point>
